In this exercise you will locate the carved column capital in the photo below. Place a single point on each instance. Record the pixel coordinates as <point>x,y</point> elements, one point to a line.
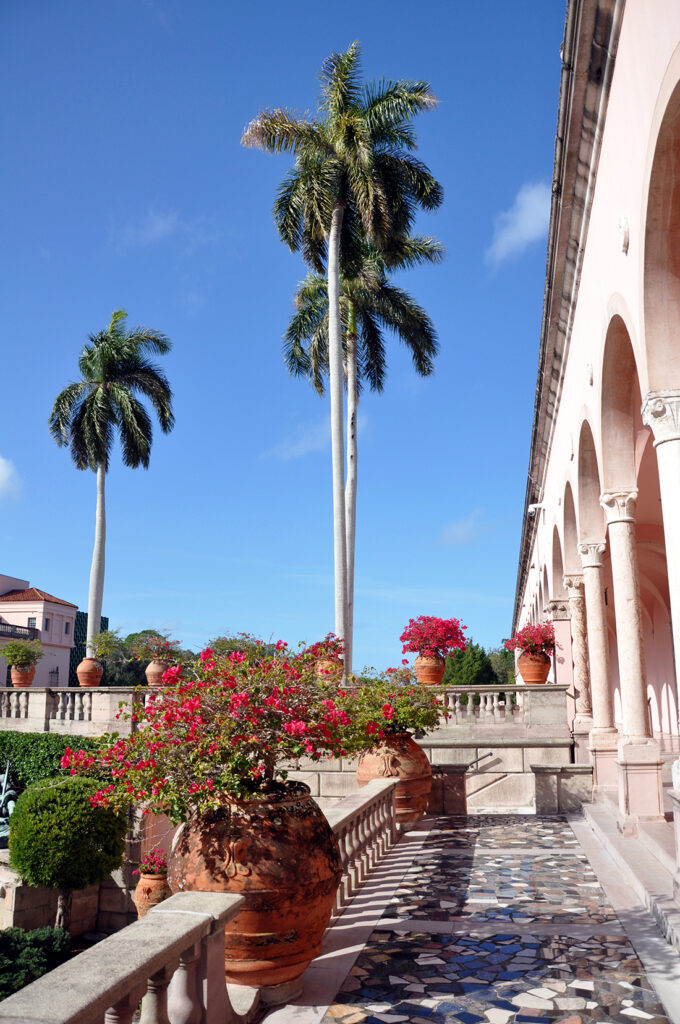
<point>619,506</point>
<point>591,552</point>
<point>661,413</point>
<point>574,584</point>
<point>558,610</point>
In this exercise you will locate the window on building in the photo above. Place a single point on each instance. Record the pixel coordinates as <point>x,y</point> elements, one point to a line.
<point>31,622</point>
<point>47,624</point>
<point>67,628</point>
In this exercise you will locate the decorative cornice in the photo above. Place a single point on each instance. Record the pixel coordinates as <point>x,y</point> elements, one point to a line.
<point>591,552</point>
<point>661,413</point>
<point>619,506</point>
<point>574,585</point>
<point>591,36</point>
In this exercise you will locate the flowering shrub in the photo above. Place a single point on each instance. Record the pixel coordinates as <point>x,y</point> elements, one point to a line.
<point>153,863</point>
<point>392,702</point>
<point>156,647</point>
<point>432,637</point>
<point>330,647</point>
<point>533,639</point>
<point>224,728</point>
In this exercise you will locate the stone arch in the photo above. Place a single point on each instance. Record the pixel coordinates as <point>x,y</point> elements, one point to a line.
<point>572,562</point>
<point>662,238</point>
<point>620,408</point>
<point>559,592</point>
<point>590,514</point>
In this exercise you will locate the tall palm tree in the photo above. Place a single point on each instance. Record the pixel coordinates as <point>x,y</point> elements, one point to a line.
<point>88,415</point>
<point>369,304</point>
<point>354,176</point>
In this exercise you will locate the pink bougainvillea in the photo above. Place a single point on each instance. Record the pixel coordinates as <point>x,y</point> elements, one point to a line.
<point>432,637</point>
<point>538,639</point>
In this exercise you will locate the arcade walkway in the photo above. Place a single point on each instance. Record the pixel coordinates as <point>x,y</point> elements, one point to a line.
<point>493,920</point>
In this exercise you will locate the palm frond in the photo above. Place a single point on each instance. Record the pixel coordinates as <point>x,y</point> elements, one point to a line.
<point>385,102</point>
<point>282,131</point>
<point>340,78</point>
<point>134,427</point>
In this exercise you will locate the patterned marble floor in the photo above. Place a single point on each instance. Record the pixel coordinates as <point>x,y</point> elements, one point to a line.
<point>532,937</point>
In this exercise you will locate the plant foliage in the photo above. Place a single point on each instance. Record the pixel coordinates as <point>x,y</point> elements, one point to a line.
<point>35,756</point>
<point>26,956</point>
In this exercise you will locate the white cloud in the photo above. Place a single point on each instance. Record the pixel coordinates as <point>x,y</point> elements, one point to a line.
<point>306,439</point>
<point>159,226</point>
<point>525,222</point>
<point>10,484</point>
<point>463,531</point>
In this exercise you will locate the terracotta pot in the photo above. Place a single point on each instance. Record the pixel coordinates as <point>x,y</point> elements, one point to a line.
<point>534,668</point>
<point>280,853</point>
<point>154,671</point>
<point>429,671</point>
<point>89,672</point>
<point>399,756</point>
<point>151,890</point>
<point>329,668</point>
<point>22,676</point>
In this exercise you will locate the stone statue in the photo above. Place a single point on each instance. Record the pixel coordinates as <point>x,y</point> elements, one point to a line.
<point>8,799</point>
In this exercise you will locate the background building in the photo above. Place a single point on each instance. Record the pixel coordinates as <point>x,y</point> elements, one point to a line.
<point>28,613</point>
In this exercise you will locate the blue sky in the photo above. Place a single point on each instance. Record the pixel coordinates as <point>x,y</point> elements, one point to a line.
<point>123,184</point>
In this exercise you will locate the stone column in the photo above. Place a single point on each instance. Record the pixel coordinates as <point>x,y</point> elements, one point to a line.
<point>583,719</point>
<point>603,734</point>
<point>558,612</point>
<point>661,412</point>
<point>638,764</point>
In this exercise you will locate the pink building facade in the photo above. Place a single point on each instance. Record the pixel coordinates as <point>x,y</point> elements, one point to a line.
<point>27,612</point>
<point>600,549</point>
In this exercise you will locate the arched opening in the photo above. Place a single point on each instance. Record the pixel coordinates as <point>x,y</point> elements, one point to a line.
<point>559,592</point>
<point>572,561</point>
<point>591,516</point>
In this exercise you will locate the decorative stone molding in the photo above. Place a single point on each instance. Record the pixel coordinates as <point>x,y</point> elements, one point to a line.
<point>557,610</point>
<point>661,413</point>
<point>591,552</point>
<point>619,506</point>
<point>574,582</point>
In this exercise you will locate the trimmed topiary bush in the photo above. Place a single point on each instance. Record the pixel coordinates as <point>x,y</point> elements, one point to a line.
<point>59,840</point>
<point>35,755</point>
<point>25,956</point>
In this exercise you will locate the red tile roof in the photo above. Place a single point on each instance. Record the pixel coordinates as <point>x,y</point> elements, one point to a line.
<point>33,594</point>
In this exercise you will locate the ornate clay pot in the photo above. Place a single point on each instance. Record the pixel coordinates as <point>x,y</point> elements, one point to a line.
<point>151,890</point>
<point>22,676</point>
<point>534,668</point>
<point>329,668</point>
<point>429,671</point>
<point>280,853</point>
<point>399,756</point>
<point>89,672</point>
<point>154,671</point>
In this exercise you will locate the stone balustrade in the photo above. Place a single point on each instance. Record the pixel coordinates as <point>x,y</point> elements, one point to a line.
<point>365,828</point>
<point>172,960</point>
<point>515,708</point>
<point>67,710</point>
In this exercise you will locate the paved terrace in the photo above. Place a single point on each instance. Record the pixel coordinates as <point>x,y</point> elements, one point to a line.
<point>493,920</point>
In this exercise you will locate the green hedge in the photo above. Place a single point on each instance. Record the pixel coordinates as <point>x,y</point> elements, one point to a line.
<point>25,956</point>
<point>35,756</point>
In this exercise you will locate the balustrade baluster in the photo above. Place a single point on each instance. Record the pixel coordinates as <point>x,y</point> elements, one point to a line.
<point>4,705</point>
<point>155,1002</point>
<point>124,1010</point>
<point>342,895</point>
<point>488,705</point>
<point>458,708</point>
<point>495,707</point>
<point>183,1002</point>
<point>62,706</point>
<point>471,694</point>
<point>376,846</point>
<point>79,709</point>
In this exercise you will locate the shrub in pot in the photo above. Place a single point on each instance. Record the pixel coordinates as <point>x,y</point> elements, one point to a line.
<point>62,838</point>
<point>22,656</point>
<point>432,639</point>
<point>536,645</point>
<point>159,651</point>
<point>209,753</point>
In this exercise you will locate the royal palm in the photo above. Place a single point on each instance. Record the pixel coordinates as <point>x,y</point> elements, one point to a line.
<point>369,305</point>
<point>89,414</point>
<point>354,178</point>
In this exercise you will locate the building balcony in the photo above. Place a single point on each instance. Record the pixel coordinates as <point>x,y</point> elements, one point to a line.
<point>8,631</point>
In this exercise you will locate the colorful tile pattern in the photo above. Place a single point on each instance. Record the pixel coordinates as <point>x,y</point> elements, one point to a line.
<point>515,975</point>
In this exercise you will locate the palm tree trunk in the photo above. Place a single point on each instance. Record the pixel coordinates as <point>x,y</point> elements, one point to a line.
<point>335,374</point>
<point>94,601</point>
<point>351,484</point>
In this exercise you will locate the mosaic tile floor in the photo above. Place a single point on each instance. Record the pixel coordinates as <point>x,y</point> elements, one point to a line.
<point>517,975</point>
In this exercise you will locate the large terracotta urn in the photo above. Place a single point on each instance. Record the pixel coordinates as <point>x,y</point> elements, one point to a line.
<point>329,668</point>
<point>280,853</point>
<point>154,672</point>
<point>429,670</point>
<point>151,890</point>
<point>399,756</point>
<point>534,668</point>
<point>22,676</point>
<point>89,672</point>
